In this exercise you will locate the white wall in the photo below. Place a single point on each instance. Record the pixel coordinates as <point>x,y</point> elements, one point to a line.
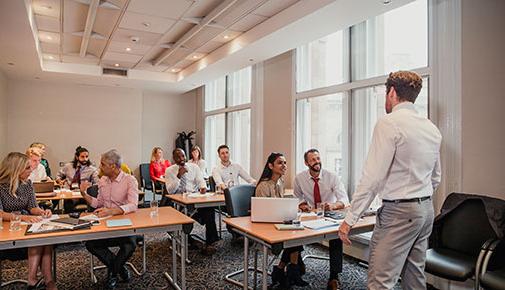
<point>64,116</point>
<point>483,97</point>
<point>3,114</point>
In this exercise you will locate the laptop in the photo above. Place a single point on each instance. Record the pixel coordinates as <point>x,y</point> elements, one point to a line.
<point>273,210</point>
<point>43,187</point>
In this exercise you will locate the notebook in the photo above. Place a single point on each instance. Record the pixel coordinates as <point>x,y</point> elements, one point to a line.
<point>70,223</point>
<point>118,223</point>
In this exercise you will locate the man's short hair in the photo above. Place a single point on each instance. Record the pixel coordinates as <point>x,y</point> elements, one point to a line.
<point>222,147</point>
<point>113,157</point>
<point>177,149</point>
<point>306,154</point>
<point>407,85</point>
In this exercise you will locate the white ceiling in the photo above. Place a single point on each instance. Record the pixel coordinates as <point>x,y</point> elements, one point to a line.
<point>164,45</point>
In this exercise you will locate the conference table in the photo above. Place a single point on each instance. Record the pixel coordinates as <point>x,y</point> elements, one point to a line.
<point>266,235</point>
<point>168,220</point>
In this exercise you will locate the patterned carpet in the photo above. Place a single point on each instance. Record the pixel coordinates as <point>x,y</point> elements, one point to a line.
<point>204,272</point>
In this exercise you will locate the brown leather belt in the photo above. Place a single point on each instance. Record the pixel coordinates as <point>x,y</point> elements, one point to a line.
<point>416,199</point>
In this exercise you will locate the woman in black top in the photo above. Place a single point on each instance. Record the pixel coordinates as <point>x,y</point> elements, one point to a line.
<point>16,194</point>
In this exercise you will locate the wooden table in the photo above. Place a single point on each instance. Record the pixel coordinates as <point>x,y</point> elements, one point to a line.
<point>270,238</point>
<point>182,200</point>
<point>168,220</point>
<point>61,196</point>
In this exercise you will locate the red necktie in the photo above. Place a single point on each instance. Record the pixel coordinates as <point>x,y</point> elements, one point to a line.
<point>317,193</point>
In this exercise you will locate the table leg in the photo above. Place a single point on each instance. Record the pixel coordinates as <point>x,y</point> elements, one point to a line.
<point>246,262</point>
<point>183,261</point>
<point>220,221</point>
<point>255,275</point>
<point>174,258</point>
<point>265,265</point>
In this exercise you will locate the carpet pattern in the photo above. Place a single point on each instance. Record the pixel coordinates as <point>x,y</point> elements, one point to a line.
<point>205,272</point>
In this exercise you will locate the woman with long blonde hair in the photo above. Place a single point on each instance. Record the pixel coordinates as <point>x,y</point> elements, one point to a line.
<point>157,167</point>
<point>16,194</point>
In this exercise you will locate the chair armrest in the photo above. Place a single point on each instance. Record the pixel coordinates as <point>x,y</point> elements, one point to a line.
<point>486,252</point>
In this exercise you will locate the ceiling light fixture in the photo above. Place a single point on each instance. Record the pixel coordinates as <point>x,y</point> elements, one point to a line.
<point>386,2</point>
<point>175,70</point>
<point>51,57</point>
<point>116,64</point>
<point>195,56</point>
<point>49,37</point>
<point>146,24</point>
<point>128,49</point>
<point>226,36</point>
<point>48,7</point>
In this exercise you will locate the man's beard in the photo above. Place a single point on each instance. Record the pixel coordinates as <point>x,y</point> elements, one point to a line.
<point>314,169</point>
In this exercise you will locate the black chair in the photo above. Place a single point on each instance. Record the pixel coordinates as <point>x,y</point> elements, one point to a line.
<point>93,191</point>
<point>462,233</point>
<point>492,275</point>
<point>212,184</point>
<point>238,200</point>
<point>146,182</point>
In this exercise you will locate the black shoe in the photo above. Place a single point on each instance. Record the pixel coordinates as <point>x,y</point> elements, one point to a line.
<point>124,274</point>
<point>278,275</point>
<point>294,276</point>
<point>31,287</point>
<point>111,281</point>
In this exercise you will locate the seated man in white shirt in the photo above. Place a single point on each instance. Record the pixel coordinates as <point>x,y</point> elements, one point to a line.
<point>187,177</point>
<point>226,174</point>
<point>38,170</point>
<point>315,186</point>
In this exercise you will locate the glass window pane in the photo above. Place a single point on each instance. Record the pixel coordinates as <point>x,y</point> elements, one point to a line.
<point>368,107</point>
<point>239,137</point>
<point>385,43</point>
<point>321,123</point>
<point>215,94</point>
<point>214,136</point>
<point>321,63</point>
<point>239,87</point>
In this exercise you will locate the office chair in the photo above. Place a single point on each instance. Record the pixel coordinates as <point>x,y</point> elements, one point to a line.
<point>212,184</point>
<point>93,191</point>
<point>462,236</point>
<point>238,204</point>
<point>147,183</point>
<point>492,275</point>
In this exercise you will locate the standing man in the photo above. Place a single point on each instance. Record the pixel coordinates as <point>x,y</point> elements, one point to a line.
<point>315,186</point>
<point>403,168</point>
<point>187,177</point>
<point>226,174</point>
<point>117,195</point>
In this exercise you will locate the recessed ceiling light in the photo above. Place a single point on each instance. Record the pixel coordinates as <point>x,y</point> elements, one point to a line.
<point>49,37</point>
<point>195,56</point>
<point>226,36</point>
<point>146,24</point>
<point>116,64</point>
<point>128,49</point>
<point>51,57</point>
<point>175,70</point>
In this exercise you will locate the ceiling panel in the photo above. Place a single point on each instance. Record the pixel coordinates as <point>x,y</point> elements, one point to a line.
<point>177,31</point>
<point>49,37</point>
<point>184,64</point>
<point>248,22</point>
<point>226,36</point>
<point>237,12</point>
<point>71,43</point>
<point>105,21</point>
<point>121,47</point>
<point>163,8</point>
<point>112,64</point>
<point>74,17</point>
<point>273,7</point>
<point>47,7</point>
<point>52,48</point>
<point>145,38</point>
<point>202,8</point>
<point>121,57</point>
<point>202,37</point>
<point>209,47</point>
<point>47,23</point>
<point>50,57</point>
<point>74,58</point>
<point>176,57</point>
<point>142,22</point>
<point>149,67</point>
<point>96,46</point>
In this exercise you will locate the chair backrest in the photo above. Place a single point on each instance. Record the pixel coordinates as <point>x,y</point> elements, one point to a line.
<point>466,228</point>
<point>238,200</point>
<point>212,184</point>
<point>145,177</point>
<point>92,191</point>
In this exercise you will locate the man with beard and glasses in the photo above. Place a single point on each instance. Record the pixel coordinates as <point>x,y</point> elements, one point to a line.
<point>73,173</point>
<point>319,186</point>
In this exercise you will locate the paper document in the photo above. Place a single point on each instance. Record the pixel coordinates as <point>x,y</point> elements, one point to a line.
<point>92,217</point>
<point>308,214</point>
<point>197,194</point>
<point>318,224</point>
<point>44,220</point>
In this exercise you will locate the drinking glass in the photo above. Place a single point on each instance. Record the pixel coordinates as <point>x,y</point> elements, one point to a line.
<point>15,224</point>
<point>154,208</point>
<point>320,210</point>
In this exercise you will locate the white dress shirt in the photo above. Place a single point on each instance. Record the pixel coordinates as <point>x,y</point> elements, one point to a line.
<point>403,161</point>
<point>38,174</point>
<point>193,179</point>
<point>224,175</point>
<point>202,165</point>
<point>330,188</point>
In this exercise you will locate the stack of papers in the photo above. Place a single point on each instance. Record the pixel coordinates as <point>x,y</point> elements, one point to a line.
<point>319,224</point>
<point>197,194</point>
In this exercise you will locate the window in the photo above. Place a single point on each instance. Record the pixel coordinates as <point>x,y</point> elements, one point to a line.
<point>321,63</point>
<point>339,122</point>
<point>228,117</point>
